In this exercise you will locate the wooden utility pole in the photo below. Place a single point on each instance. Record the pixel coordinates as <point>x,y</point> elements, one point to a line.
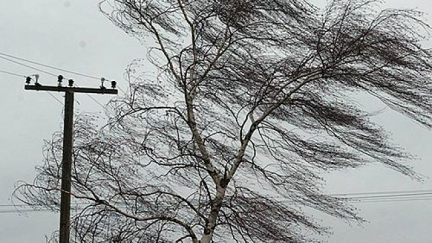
<point>67,145</point>
<point>66,184</point>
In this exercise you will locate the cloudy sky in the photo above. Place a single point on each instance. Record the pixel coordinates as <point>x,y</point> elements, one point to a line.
<point>74,35</point>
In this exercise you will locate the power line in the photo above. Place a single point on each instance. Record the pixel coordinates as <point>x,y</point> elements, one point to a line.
<point>25,65</point>
<point>392,196</point>
<point>381,192</point>
<point>59,101</point>
<point>49,66</point>
<point>397,196</point>
<point>24,211</point>
<point>121,90</point>
<point>395,200</point>
<point>103,107</point>
<point>389,196</point>
<point>360,201</point>
<point>14,74</point>
<point>19,75</point>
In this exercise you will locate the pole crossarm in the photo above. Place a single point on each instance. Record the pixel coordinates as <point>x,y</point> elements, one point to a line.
<point>71,89</point>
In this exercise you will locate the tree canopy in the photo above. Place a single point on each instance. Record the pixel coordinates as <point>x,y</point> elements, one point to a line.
<point>252,101</point>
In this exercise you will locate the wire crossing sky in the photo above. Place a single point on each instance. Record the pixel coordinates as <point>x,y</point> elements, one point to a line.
<point>376,197</point>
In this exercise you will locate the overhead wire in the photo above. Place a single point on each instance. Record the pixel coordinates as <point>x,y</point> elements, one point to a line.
<point>390,196</point>
<point>383,196</point>
<point>381,192</point>
<point>14,74</point>
<point>25,65</point>
<point>399,196</point>
<point>102,106</point>
<point>49,66</point>
<point>376,197</point>
<point>20,75</point>
<point>393,195</point>
<point>29,209</point>
<point>59,101</point>
<point>394,200</point>
<point>24,211</point>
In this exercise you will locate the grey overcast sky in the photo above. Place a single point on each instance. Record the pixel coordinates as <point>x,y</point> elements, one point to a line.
<point>74,35</point>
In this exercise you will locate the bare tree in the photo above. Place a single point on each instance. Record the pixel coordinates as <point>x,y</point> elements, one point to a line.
<point>253,100</point>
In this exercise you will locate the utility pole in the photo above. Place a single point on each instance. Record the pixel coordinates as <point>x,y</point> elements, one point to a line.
<point>68,142</point>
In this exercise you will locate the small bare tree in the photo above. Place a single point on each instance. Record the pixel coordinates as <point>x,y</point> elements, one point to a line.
<point>252,101</point>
